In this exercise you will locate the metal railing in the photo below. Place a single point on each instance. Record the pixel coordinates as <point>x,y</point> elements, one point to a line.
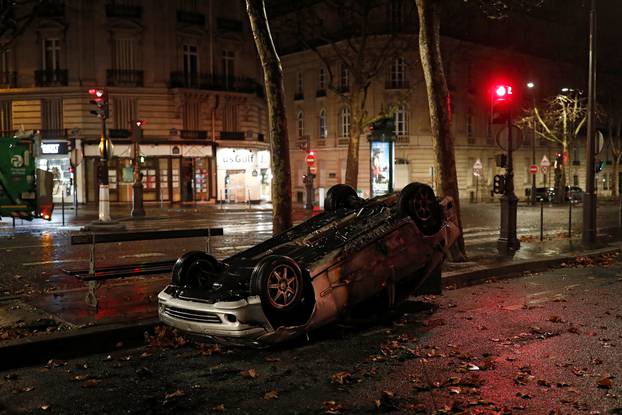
<point>124,77</point>
<point>232,135</point>
<point>179,79</point>
<point>192,18</point>
<point>114,9</point>
<point>8,79</point>
<point>194,134</point>
<point>51,77</point>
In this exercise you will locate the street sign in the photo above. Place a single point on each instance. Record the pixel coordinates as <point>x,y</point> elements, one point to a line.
<point>312,169</point>
<point>545,162</point>
<point>533,169</point>
<point>544,169</point>
<point>477,172</point>
<point>310,159</point>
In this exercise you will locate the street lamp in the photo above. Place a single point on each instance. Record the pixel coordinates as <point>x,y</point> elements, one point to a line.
<point>531,86</point>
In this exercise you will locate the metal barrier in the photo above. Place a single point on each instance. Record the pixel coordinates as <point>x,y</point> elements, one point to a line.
<point>94,278</point>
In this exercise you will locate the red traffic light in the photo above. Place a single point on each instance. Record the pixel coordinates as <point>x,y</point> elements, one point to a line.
<point>503,91</point>
<point>140,123</point>
<point>97,92</point>
<point>310,159</point>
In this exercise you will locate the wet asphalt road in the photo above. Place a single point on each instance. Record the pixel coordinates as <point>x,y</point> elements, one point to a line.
<point>549,343</point>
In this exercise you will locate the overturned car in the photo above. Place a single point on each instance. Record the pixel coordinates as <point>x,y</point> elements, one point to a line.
<point>356,254</point>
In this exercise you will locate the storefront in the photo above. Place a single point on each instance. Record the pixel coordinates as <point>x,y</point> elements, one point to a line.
<point>244,175</point>
<point>171,173</point>
<point>54,157</point>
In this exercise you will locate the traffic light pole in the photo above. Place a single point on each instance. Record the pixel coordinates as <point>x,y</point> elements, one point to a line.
<point>309,189</point>
<point>508,243</point>
<point>104,191</point>
<point>138,208</point>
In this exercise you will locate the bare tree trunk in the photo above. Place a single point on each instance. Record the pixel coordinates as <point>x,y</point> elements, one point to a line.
<point>275,97</point>
<point>615,172</point>
<point>443,141</point>
<point>358,99</point>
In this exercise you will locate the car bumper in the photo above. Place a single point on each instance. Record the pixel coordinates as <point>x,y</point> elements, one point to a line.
<point>234,322</point>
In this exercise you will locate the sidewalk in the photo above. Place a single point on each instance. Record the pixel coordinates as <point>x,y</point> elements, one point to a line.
<point>60,324</point>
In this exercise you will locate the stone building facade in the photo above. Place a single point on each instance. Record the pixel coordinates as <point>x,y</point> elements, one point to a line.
<point>188,68</point>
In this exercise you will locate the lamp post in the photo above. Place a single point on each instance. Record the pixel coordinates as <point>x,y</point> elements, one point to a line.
<point>588,236</point>
<point>532,198</point>
<point>138,208</point>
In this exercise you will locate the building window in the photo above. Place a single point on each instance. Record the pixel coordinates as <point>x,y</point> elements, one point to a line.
<point>321,79</point>
<point>191,65</point>
<point>51,54</point>
<point>401,121</point>
<point>124,57</point>
<point>323,125</point>
<point>397,74</point>
<point>231,117</point>
<point>344,122</point>
<point>52,114</point>
<point>469,126</point>
<point>396,15</point>
<point>606,181</point>
<point>6,118</point>
<point>228,67</point>
<point>300,123</point>
<point>298,94</point>
<point>344,79</point>
<point>124,111</point>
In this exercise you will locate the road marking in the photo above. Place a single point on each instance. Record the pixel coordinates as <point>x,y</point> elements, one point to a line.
<point>54,261</point>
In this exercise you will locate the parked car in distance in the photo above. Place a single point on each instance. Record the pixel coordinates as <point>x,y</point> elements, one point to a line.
<point>357,256</point>
<point>572,194</point>
<point>544,194</point>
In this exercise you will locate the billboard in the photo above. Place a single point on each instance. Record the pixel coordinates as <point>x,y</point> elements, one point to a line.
<point>381,167</point>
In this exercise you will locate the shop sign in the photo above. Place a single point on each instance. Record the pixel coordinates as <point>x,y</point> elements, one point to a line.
<point>54,148</point>
<point>175,151</point>
<point>380,167</point>
<point>236,158</point>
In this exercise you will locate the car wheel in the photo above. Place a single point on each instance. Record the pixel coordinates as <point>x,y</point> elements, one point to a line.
<point>340,196</point>
<point>286,297</point>
<point>193,269</point>
<point>418,201</point>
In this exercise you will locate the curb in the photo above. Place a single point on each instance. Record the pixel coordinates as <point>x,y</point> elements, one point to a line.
<point>32,350</point>
<point>459,279</point>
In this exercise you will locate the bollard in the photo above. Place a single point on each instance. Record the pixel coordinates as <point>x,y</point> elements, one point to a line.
<point>570,219</point>
<point>13,221</point>
<point>62,206</point>
<point>541,220</point>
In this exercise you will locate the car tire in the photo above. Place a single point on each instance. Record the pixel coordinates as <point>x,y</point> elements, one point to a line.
<point>192,269</point>
<point>286,296</point>
<point>418,201</point>
<point>340,196</point>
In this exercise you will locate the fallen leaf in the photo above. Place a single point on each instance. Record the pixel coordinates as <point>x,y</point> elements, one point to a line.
<point>332,407</point>
<point>219,408</point>
<point>472,367</point>
<point>91,383</point>
<point>273,359</point>
<point>178,393</point>
<point>249,374</point>
<point>273,394</point>
<point>45,407</point>
<point>605,383</point>
<point>542,382</point>
<point>342,378</point>
<point>523,395</point>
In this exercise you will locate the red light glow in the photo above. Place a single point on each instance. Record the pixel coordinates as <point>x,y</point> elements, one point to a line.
<point>501,91</point>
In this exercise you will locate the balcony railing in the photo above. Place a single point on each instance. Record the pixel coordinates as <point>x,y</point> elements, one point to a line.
<point>51,9</point>
<point>53,134</point>
<point>124,77</point>
<point>228,25</point>
<point>180,79</point>
<point>396,84</point>
<point>51,77</point>
<point>193,134</point>
<point>123,10</point>
<point>299,96</point>
<point>320,93</point>
<point>192,18</point>
<point>8,79</point>
<point>344,89</point>
<point>232,135</point>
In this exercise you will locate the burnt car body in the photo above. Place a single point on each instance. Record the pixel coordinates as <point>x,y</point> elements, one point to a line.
<point>356,254</point>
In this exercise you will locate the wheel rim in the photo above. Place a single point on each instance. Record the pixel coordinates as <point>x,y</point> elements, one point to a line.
<point>423,204</point>
<point>283,286</point>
